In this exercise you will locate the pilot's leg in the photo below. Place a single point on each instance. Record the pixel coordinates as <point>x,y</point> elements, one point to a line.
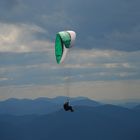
<point>71,109</point>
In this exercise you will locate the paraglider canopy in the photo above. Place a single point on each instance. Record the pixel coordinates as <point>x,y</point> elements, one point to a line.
<point>63,42</point>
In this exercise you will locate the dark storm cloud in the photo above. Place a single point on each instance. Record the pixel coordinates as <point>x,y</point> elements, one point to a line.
<point>9,4</point>
<point>23,59</point>
<point>100,20</point>
<point>99,24</point>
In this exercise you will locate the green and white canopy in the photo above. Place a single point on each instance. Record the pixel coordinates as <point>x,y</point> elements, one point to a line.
<point>63,42</point>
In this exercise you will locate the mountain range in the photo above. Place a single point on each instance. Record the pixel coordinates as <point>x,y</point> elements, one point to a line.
<point>88,121</point>
<point>40,105</point>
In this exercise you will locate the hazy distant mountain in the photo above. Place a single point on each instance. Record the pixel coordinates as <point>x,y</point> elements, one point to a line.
<point>41,105</point>
<point>27,106</point>
<point>128,103</point>
<point>106,122</point>
<point>85,102</point>
<point>137,107</point>
<point>118,112</point>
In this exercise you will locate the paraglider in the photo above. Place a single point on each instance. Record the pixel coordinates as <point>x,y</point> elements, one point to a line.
<point>63,42</point>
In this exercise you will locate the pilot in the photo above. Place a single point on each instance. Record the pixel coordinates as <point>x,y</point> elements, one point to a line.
<point>67,107</point>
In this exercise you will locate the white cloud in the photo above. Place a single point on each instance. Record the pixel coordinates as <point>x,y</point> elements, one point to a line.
<point>22,38</point>
<point>80,65</point>
<point>101,58</point>
<point>98,90</point>
<point>3,78</point>
<point>117,65</point>
<point>126,74</point>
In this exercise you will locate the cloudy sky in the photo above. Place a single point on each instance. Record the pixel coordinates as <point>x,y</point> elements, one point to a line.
<point>103,64</point>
